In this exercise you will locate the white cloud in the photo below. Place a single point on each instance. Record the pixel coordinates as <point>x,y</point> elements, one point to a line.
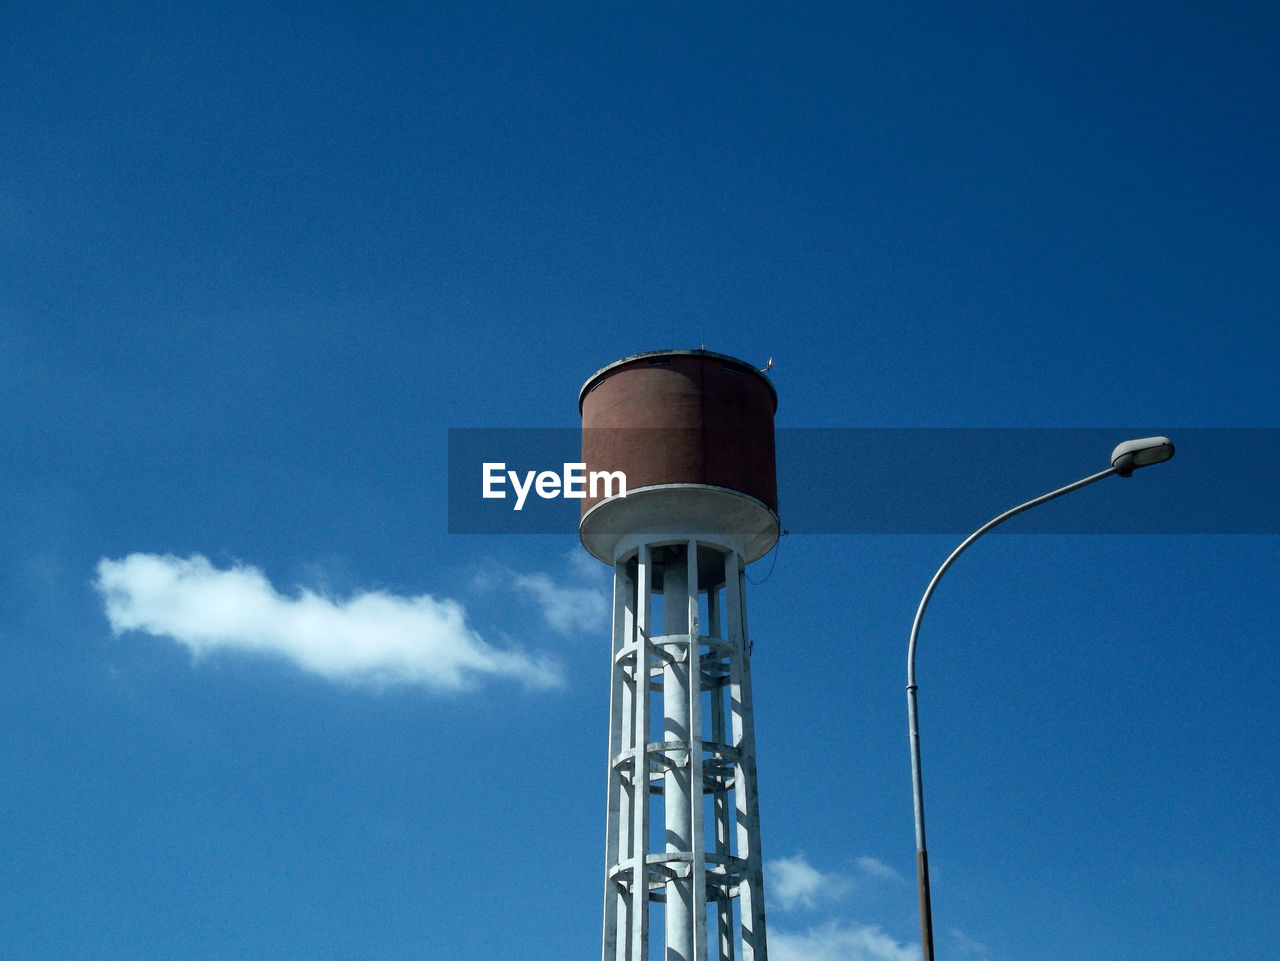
<point>838,941</point>
<point>875,868</point>
<point>578,602</point>
<point>372,637</point>
<point>794,882</point>
<point>967,945</point>
<point>567,609</point>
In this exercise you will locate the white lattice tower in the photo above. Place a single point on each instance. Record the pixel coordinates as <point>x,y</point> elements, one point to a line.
<point>683,824</point>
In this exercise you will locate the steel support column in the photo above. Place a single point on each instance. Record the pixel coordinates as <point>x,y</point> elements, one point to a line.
<point>672,674</point>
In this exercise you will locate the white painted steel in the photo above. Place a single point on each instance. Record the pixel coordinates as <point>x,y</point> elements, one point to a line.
<point>677,729</point>
<point>692,507</point>
<point>699,785</point>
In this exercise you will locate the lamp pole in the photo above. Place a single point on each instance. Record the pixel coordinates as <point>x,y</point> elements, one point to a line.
<point>1125,459</point>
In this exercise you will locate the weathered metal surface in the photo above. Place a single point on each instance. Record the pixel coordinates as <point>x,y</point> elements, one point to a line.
<point>681,417</point>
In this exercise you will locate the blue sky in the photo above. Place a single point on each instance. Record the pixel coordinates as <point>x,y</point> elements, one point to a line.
<point>257,702</point>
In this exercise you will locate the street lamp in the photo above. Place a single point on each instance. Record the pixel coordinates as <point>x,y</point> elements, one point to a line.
<point>1125,459</point>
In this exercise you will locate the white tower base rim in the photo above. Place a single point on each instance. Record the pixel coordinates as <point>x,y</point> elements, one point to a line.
<point>680,506</point>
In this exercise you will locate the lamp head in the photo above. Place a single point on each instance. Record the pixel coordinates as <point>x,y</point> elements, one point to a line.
<point>1132,454</point>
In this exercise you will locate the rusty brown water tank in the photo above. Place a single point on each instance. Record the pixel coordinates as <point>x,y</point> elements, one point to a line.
<point>692,431</point>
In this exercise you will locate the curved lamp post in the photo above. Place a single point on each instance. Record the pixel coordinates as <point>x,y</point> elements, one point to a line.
<point>1125,459</point>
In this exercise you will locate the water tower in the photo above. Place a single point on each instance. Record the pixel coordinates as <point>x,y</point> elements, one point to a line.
<point>693,433</point>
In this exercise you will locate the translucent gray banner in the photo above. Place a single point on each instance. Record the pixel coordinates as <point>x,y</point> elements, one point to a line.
<point>916,481</point>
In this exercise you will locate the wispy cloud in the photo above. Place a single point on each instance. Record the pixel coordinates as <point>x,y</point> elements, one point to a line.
<point>966,945</point>
<point>875,868</point>
<point>574,602</point>
<point>372,637</point>
<point>839,941</point>
<point>794,882</point>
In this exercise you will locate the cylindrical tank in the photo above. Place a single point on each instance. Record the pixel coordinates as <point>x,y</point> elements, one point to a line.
<point>692,431</point>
